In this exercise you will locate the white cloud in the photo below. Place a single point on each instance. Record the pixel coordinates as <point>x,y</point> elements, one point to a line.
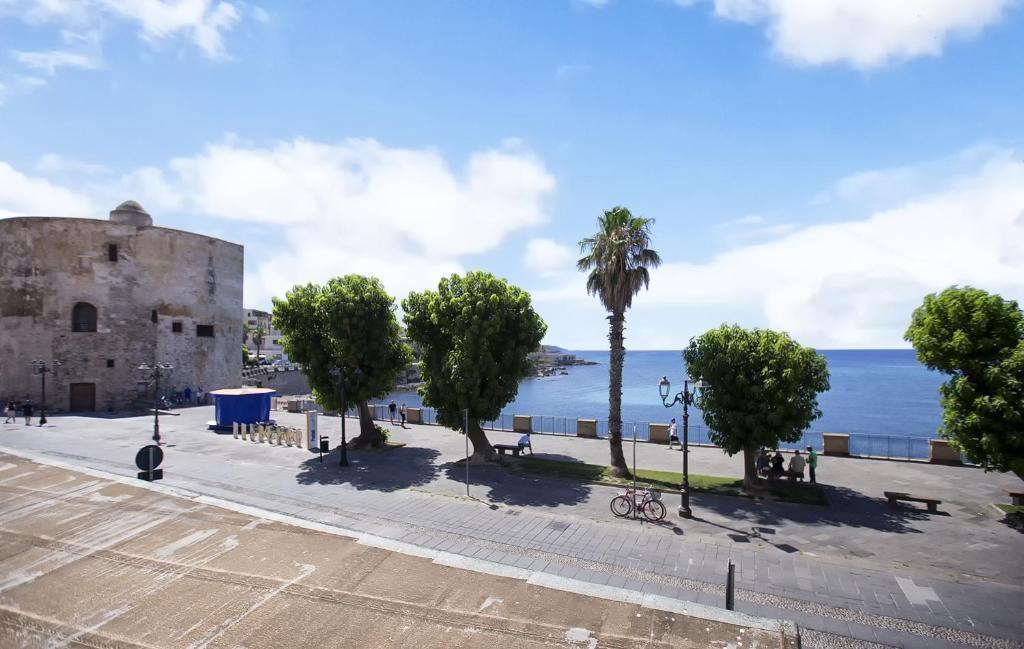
<point>55,163</point>
<point>23,195</point>
<point>863,33</point>
<point>403,214</point>
<point>204,22</point>
<point>548,257</point>
<point>855,283</point>
<point>50,61</point>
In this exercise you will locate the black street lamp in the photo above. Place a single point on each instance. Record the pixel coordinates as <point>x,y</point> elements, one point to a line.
<point>154,372</point>
<point>686,398</point>
<point>341,377</point>
<point>42,369</point>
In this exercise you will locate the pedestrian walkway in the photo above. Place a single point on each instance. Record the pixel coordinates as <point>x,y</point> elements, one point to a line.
<point>563,530</point>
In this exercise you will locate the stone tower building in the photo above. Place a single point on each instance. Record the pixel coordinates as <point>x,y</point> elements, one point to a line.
<point>103,297</point>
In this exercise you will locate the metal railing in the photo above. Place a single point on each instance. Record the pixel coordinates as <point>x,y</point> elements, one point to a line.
<point>864,445</point>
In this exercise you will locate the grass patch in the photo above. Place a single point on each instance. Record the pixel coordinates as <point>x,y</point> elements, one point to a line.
<point>669,480</point>
<point>1012,510</point>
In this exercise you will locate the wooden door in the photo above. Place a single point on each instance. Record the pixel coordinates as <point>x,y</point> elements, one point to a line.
<point>83,397</point>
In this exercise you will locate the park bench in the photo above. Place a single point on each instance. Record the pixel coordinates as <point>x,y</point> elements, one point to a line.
<point>1016,498</point>
<point>515,449</point>
<point>893,496</point>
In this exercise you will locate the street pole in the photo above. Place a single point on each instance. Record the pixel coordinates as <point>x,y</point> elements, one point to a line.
<point>465,429</point>
<point>156,404</point>
<point>343,459</point>
<point>42,405</point>
<point>684,494</point>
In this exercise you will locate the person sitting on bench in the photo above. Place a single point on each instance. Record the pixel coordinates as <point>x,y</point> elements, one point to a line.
<point>796,466</point>
<point>778,465</point>
<point>524,443</point>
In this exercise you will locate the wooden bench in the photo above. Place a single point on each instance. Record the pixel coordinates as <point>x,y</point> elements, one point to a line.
<point>893,496</point>
<point>1016,498</point>
<point>515,449</point>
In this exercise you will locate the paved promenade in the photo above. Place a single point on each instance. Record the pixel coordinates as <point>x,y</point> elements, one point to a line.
<point>94,563</point>
<point>857,569</point>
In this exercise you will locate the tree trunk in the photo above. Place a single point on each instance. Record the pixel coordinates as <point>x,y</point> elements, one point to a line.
<point>369,436</point>
<point>482,449</point>
<point>618,354</point>
<point>750,468</point>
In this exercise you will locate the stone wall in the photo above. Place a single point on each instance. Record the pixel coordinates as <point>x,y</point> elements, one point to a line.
<point>49,264</point>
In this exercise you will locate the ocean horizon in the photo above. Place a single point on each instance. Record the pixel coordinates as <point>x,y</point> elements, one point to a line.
<point>873,392</point>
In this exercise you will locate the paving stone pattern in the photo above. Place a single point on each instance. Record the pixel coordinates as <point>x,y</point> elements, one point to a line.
<point>793,569</point>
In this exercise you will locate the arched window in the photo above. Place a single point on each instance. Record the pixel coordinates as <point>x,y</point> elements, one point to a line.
<point>83,317</point>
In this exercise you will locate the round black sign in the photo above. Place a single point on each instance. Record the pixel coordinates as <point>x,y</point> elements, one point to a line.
<point>149,457</point>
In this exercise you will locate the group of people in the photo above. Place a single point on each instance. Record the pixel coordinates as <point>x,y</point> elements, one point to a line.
<point>392,407</point>
<point>11,412</point>
<point>774,466</point>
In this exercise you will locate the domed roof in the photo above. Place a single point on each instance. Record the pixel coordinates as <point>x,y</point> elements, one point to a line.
<point>130,212</point>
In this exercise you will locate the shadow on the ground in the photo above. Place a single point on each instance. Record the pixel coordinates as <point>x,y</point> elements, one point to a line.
<point>1013,521</point>
<point>512,488</point>
<point>849,508</point>
<point>390,470</point>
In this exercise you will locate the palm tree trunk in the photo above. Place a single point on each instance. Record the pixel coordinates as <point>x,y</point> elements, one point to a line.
<point>616,323</point>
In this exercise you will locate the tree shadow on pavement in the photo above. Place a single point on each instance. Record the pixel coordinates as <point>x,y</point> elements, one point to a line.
<point>390,470</point>
<point>1014,522</point>
<point>848,508</point>
<point>512,488</point>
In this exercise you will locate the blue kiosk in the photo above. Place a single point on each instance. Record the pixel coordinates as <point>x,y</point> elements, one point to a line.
<point>241,405</point>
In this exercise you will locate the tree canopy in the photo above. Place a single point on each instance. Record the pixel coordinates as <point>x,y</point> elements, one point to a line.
<point>763,388</point>
<point>617,259</point>
<point>977,338</point>
<point>350,324</point>
<point>475,333</point>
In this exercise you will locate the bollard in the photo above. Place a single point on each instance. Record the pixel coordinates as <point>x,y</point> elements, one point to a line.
<point>730,588</point>
<point>234,429</point>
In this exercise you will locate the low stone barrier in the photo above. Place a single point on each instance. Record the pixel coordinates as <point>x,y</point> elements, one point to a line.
<point>658,433</point>
<point>940,451</point>
<point>586,428</point>
<point>835,444</point>
<point>522,423</point>
<point>414,415</point>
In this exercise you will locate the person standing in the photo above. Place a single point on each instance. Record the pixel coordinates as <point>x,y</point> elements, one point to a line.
<point>187,393</point>
<point>391,410</point>
<point>11,413</point>
<point>401,412</point>
<point>812,461</point>
<point>27,410</point>
<point>200,395</point>
<point>673,435</point>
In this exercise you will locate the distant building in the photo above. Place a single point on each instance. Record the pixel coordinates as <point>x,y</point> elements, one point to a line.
<point>103,297</point>
<point>273,346</point>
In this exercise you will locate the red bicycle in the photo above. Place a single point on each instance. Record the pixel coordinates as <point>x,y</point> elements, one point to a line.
<point>646,501</point>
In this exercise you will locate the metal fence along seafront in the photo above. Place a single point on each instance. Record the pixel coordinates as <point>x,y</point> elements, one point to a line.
<point>891,447</point>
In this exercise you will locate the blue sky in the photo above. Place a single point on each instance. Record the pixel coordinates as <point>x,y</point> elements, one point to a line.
<point>815,167</point>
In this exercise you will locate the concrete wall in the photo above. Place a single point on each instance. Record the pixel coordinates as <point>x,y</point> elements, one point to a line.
<point>47,264</point>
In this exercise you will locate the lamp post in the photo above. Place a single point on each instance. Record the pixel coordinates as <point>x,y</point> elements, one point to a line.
<point>42,369</point>
<point>686,398</point>
<point>154,372</point>
<point>341,376</point>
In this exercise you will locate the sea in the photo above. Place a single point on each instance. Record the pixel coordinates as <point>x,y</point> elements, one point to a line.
<point>879,392</point>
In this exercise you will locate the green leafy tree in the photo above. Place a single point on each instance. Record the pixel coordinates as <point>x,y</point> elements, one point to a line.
<point>977,338</point>
<point>762,389</point>
<point>350,324</point>
<point>257,339</point>
<point>245,356</point>
<point>617,259</point>
<point>474,333</point>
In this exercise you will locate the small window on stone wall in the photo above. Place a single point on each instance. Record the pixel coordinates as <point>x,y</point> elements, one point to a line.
<point>83,317</point>
<point>204,331</point>
<point>176,328</point>
<point>112,252</point>
<point>110,362</point>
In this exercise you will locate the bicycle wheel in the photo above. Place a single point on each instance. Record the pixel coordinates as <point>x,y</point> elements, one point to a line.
<point>621,506</point>
<point>653,510</point>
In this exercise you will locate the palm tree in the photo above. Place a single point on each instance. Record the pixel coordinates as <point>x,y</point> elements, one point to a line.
<point>618,259</point>
<point>257,339</point>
